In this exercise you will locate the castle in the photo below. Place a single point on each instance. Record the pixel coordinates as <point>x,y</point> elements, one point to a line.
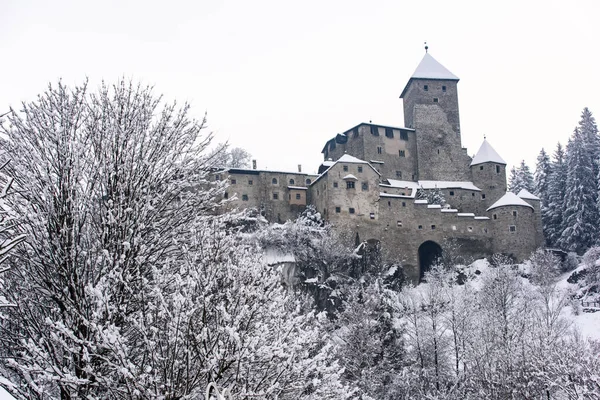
<point>368,183</point>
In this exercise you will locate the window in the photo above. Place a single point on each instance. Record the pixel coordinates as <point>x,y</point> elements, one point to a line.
<point>482,196</point>
<point>403,194</point>
<point>226,195</point>
<point>420,227</point>
<point>432,227</point>
<point>492,186</point>
<point>298,196</point>
<point>359,169</point>
<point>443,88</point>
<point>403,204</point>
<point>473,194</point>
<point>470,228</point>
<point>275,196</point>
<point>401,153</point>
<point>374,130</point>
<point>399,174</point>
<point>378,150</point>
<point>364,186</point>
<point>497,169</point>
<point>274,181</point>
<point>389,203</point>
<point>335,184</point>
<point>372,215</point>
<point>426,88</point>
<point>233,181</point>
<point>389,133</point>
<point>403,135</point>
<point>244,197</point>
<point>217,177</point>
<point>453,227</point>
<point>514,213</point>
<point>250,182</point>
<point>292,182</point>
<point>435,99</point>
<point>338,210</point>
<point>481,167</point>
<point>349,184</point>
<point>512,228</point>
<point>308,181</point>
<point>351,210</point>
<point>399,223</point>
<point>495,216</point>
<point>345,168</point>
<point>452,193</point>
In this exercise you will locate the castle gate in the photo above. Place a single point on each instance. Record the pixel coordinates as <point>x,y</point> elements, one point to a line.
<point>429,253</point>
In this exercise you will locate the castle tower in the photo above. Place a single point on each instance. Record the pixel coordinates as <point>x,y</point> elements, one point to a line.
<point>488,172</point>
<point>431,108</point>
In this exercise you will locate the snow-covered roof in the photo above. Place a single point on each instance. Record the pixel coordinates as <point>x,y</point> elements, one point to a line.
<point>398,196</point>
<point>347,158</point>
<point>376,162</point>
<point>297,188</point>
<point>328,163</point>
<point>350,176</point>
<point>431,185</point>
<point>448,185</point>
<point>525,194</point>
<point>430,68</point>
<point>509,199</point>
<point>423,201</point>
<point>486,153</point>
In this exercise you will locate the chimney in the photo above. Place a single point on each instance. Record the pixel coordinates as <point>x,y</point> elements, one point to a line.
<point>299,167</point>
<point>253,164</point>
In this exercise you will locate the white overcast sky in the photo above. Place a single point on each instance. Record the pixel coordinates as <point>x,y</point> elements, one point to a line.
<point>279,78</point>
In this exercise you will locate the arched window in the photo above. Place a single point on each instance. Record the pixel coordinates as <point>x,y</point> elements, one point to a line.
<point>292,182</point>
<point>308,181</point>
<point>274,181</point>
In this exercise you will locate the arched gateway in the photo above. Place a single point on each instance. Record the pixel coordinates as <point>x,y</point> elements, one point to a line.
<point>429,253</point>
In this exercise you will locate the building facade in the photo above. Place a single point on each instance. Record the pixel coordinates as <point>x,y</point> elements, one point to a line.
<point>373,177</point>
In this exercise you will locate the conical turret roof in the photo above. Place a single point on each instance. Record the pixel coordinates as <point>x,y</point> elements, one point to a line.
<point>509,199</point>
<point>487,153</point>
<point>430,68</point>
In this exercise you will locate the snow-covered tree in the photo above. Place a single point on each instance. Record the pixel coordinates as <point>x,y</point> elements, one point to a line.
<point>433,196</point>
<point>543,171</point>
<point>226,156</point>
<point>521,178</point>
<point>580,214</point>
<point>553,217</point>
<point>129,286</point>
<point>589,132</point>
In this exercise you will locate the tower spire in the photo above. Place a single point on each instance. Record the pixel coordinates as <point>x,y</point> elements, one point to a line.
<point>426,47</point>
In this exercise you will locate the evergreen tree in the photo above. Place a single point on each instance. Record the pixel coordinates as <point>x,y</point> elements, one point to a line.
<point>580,208</point>
<point>589,132</point>
<point>526,178</point>
<point>556,197</point>
<point>521,178</point>
<point>514,181</point>
<point>543,170</point>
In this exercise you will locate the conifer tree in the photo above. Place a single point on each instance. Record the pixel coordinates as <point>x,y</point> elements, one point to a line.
<point>580,209</point>
<point>556,197</point>
<point>543,170</point>
<point>521,178</point>
<point>589,131</point>
<point>514,180</point>
<point>526,178</point>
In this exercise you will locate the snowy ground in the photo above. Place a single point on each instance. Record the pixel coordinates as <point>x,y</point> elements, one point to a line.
<point>4,395</point>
